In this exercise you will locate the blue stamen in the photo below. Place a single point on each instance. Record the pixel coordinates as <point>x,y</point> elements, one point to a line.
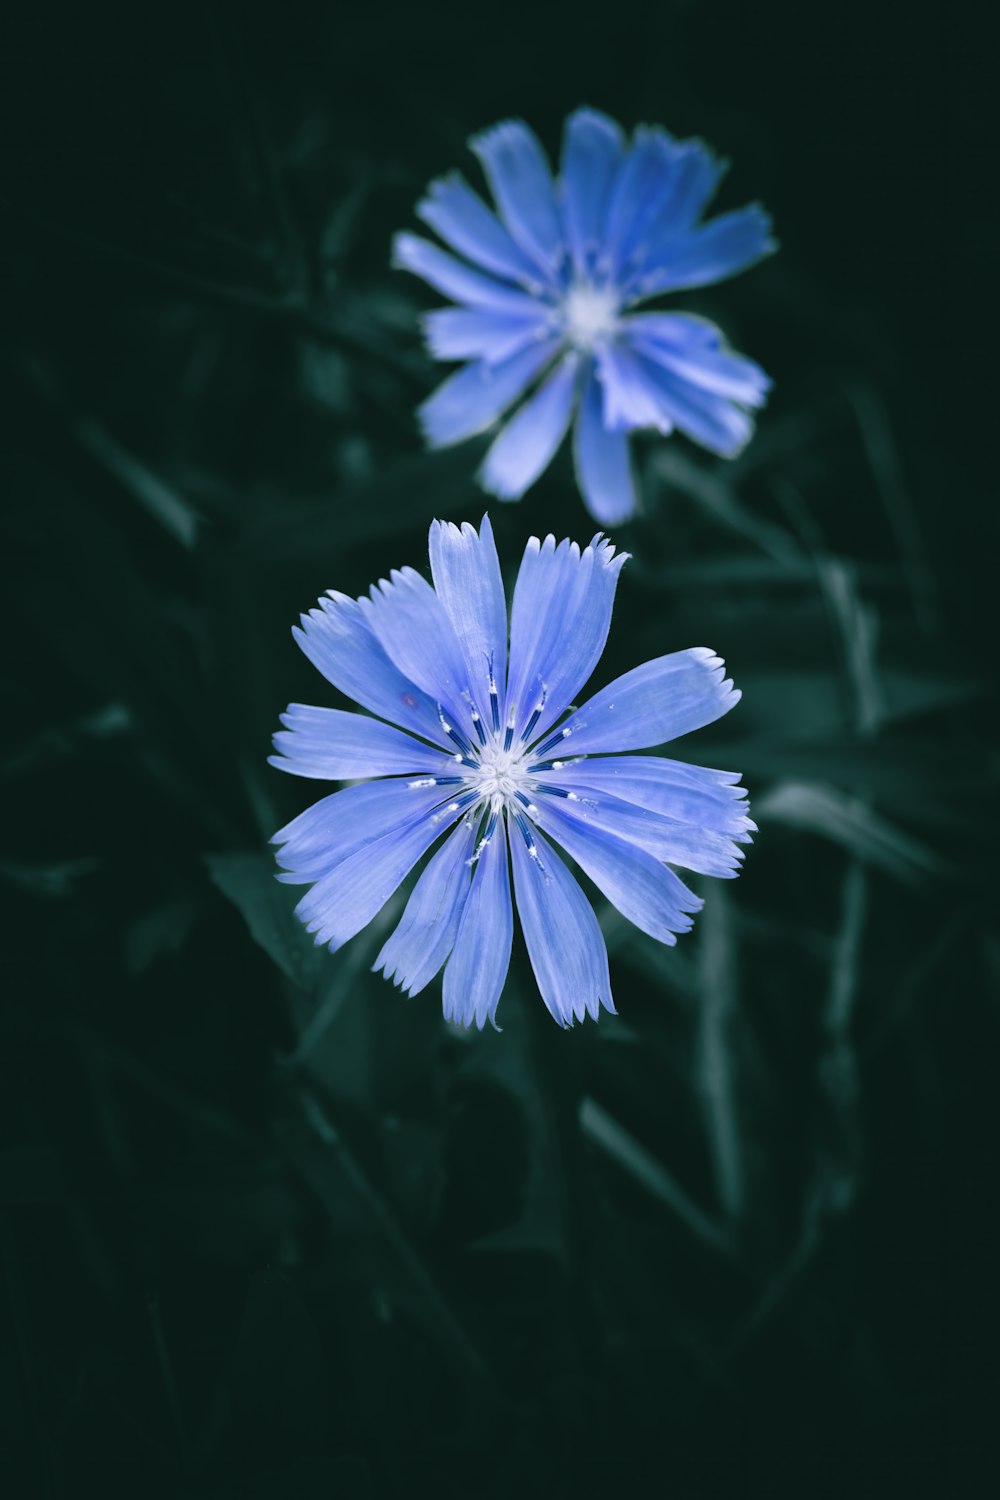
<point>453,733</point>
<point>536,714</point>
<point>554,765</point>
<point>553,740</point>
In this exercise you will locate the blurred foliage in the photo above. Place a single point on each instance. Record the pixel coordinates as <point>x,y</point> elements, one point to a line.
<point>266,1227</point>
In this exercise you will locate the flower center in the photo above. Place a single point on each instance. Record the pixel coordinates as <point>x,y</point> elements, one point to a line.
<point>590,314</point>
<point>501,773</point>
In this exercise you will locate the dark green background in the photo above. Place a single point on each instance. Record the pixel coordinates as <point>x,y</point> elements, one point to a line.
<point>267,1228</point>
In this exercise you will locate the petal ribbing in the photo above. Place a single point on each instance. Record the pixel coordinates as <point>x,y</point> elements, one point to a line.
<point>642,888</point>
<point>474,978</point>
<point>339,641</point>
<point>331,745</point>
<point>567,950</point>
<point>659,701</point>
<point>560,619</point>
<point>425,934</point>
<point>468,582</point>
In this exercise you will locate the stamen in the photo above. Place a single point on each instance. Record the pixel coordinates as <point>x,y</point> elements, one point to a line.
<point>477,721</point>
<point>457,806</point>
<point>453,733</point>
<point>529,839</point>
<point>508,738</point>
<point>536,714</point>
<point>494,694</point>
<point>558,791</point>
<point>555,765</point>
<point>553,739</point>
<point>490,830</point>
<point>436,781</point>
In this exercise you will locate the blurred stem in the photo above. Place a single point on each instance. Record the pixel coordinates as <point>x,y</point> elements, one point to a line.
<point>883,457</point>
<point>719,964</point>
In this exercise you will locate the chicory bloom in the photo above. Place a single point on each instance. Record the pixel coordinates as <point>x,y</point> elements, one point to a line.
<point>546,290</point>
<point>470,751</point>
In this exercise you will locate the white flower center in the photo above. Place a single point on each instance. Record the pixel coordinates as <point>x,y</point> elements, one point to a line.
<point>590,314</point>
<point>501,773</point>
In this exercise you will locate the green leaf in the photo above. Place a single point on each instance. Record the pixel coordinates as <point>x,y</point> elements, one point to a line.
<point>852,823</point>
<point>267,907</point>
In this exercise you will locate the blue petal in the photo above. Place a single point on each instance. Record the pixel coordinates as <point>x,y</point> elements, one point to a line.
<point>416,633</point>
<point>695,174</point>
<point>630,397</point>
<point>703,416</point>
<point>340,643</point>
<point>347,899</point>
<point>521,184</point>
<point>699,257</point>
<point>643,889</point>
<point>453,277</point>
<point>427,929</point>
<point>644,392</point>
<point>482,332</point>
<point>332,745</point>
<point>659,701</point>
<point>601,456</point>
<point>472,399</point>
<point>467,578</point>
<point>527,444</point>
<point>564,941</point>
<point>474,978</point>
<point>640,188</point>
<point>665,837</point>
<point>693,350</point>
<point>461,217</point>
<point>560,617</point>
<point>326,834</point>
<point>689,175</point>
<point>592,151</point>
<point>688,794</point>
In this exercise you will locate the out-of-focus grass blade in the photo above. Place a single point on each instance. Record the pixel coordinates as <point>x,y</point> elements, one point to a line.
<point>838,1066</point>
<point>719,500</point>
<point>651,1175</point>
<point>321,1156</point>
<point>857,626</point>
<point>717,1059</point>
<point>922,778</point>
<point>848,821</point>
<point>883,457</point>
<point>168,508</point>
<point>247,879</point>
<point>158,499</point>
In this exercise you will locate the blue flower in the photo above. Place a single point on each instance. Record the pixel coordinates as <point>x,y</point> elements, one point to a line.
<point>547,304</point>
<point>470,742</point>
